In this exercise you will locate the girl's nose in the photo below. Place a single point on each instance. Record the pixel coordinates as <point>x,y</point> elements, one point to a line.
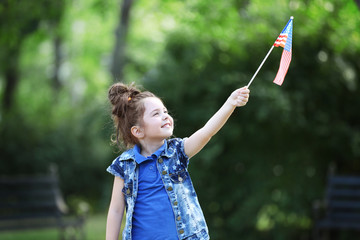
<point>166,115</point>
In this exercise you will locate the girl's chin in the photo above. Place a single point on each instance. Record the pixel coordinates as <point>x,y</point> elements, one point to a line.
<point>170,134</point>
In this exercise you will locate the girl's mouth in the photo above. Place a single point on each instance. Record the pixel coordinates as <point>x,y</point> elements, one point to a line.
<point>166,125</point>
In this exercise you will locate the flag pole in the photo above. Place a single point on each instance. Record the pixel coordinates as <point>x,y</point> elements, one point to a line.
<point>260,66</point>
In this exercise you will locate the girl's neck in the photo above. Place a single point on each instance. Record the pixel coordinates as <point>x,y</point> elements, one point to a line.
<point>148,148</point>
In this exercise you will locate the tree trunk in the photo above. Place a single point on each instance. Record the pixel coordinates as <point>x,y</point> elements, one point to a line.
<point>118,60</point>
<point>57,61</point>
<point>358,3</point>
<point>11,78</point>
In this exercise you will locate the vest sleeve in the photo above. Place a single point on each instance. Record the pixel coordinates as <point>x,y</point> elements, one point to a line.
<point>116,168</point>
<point>184,159</point>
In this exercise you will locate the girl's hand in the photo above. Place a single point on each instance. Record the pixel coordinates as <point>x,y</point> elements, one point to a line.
<point>239,97</point>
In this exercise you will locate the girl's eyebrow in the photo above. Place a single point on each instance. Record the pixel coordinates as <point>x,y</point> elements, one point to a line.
<point>155,110</point>
<point>158,109</point>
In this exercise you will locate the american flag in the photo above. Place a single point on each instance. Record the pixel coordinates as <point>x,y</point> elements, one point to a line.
<point>284,40</point>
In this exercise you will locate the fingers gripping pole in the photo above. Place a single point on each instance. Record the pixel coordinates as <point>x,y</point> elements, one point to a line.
<point>260,66</point>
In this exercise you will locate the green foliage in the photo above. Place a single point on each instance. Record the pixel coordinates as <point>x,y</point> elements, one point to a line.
<point>78,144</point>
<point>259,175</point>
<point>17,22</point>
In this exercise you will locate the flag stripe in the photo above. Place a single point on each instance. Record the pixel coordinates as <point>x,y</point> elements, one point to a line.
<point>284,40</point>
<point>281,40</point>
<point>284,66</point>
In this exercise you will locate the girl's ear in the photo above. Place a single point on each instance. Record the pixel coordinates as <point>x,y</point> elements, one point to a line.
<point>137,132</point>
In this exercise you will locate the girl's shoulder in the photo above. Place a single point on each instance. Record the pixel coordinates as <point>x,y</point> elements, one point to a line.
<point>127,155</point>
<point>174,143</point>
<point>117,167</point>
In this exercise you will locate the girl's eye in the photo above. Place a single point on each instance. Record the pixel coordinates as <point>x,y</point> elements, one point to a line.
<point>155,114</point>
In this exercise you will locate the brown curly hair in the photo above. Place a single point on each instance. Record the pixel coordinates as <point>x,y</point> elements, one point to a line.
<point>127,111</point>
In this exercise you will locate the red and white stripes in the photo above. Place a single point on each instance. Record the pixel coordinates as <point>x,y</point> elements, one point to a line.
<point>281,40</point>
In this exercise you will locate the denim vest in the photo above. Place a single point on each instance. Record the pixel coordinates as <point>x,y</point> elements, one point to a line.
<point>172,166</point>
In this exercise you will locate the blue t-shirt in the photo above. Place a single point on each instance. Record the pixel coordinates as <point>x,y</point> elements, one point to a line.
<point>153,218</point>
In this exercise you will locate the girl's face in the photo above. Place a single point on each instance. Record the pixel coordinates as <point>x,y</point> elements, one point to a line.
<point>157,123</point>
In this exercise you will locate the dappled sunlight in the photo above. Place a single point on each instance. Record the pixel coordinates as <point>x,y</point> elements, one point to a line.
<point>260,175</point>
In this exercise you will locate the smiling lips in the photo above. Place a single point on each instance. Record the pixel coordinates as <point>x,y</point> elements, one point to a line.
<point>166,125</point>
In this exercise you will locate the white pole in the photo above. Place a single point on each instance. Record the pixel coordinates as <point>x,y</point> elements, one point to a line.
<point>260,66</point>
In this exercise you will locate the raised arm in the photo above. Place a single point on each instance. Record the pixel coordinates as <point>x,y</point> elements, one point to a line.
<point>201,137</point>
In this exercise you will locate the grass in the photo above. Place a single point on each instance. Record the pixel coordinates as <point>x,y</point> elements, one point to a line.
<point>94,230</point>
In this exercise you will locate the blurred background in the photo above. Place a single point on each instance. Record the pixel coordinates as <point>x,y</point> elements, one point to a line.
<point>259,176</point>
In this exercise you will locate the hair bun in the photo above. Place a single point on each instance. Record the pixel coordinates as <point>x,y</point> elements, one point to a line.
<point>120,92</point>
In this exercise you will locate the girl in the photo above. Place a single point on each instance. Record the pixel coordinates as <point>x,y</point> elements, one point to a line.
<point>151,177</point>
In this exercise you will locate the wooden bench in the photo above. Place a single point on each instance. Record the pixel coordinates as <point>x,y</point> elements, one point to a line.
<point>341,208</point>
<point>35,202</point>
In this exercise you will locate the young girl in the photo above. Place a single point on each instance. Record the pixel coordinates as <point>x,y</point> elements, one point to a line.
<point>151,177</point>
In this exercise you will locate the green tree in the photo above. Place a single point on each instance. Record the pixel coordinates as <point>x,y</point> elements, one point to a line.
<point>274,153</point>
<point>16,24</point>
<point>258,177</point>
